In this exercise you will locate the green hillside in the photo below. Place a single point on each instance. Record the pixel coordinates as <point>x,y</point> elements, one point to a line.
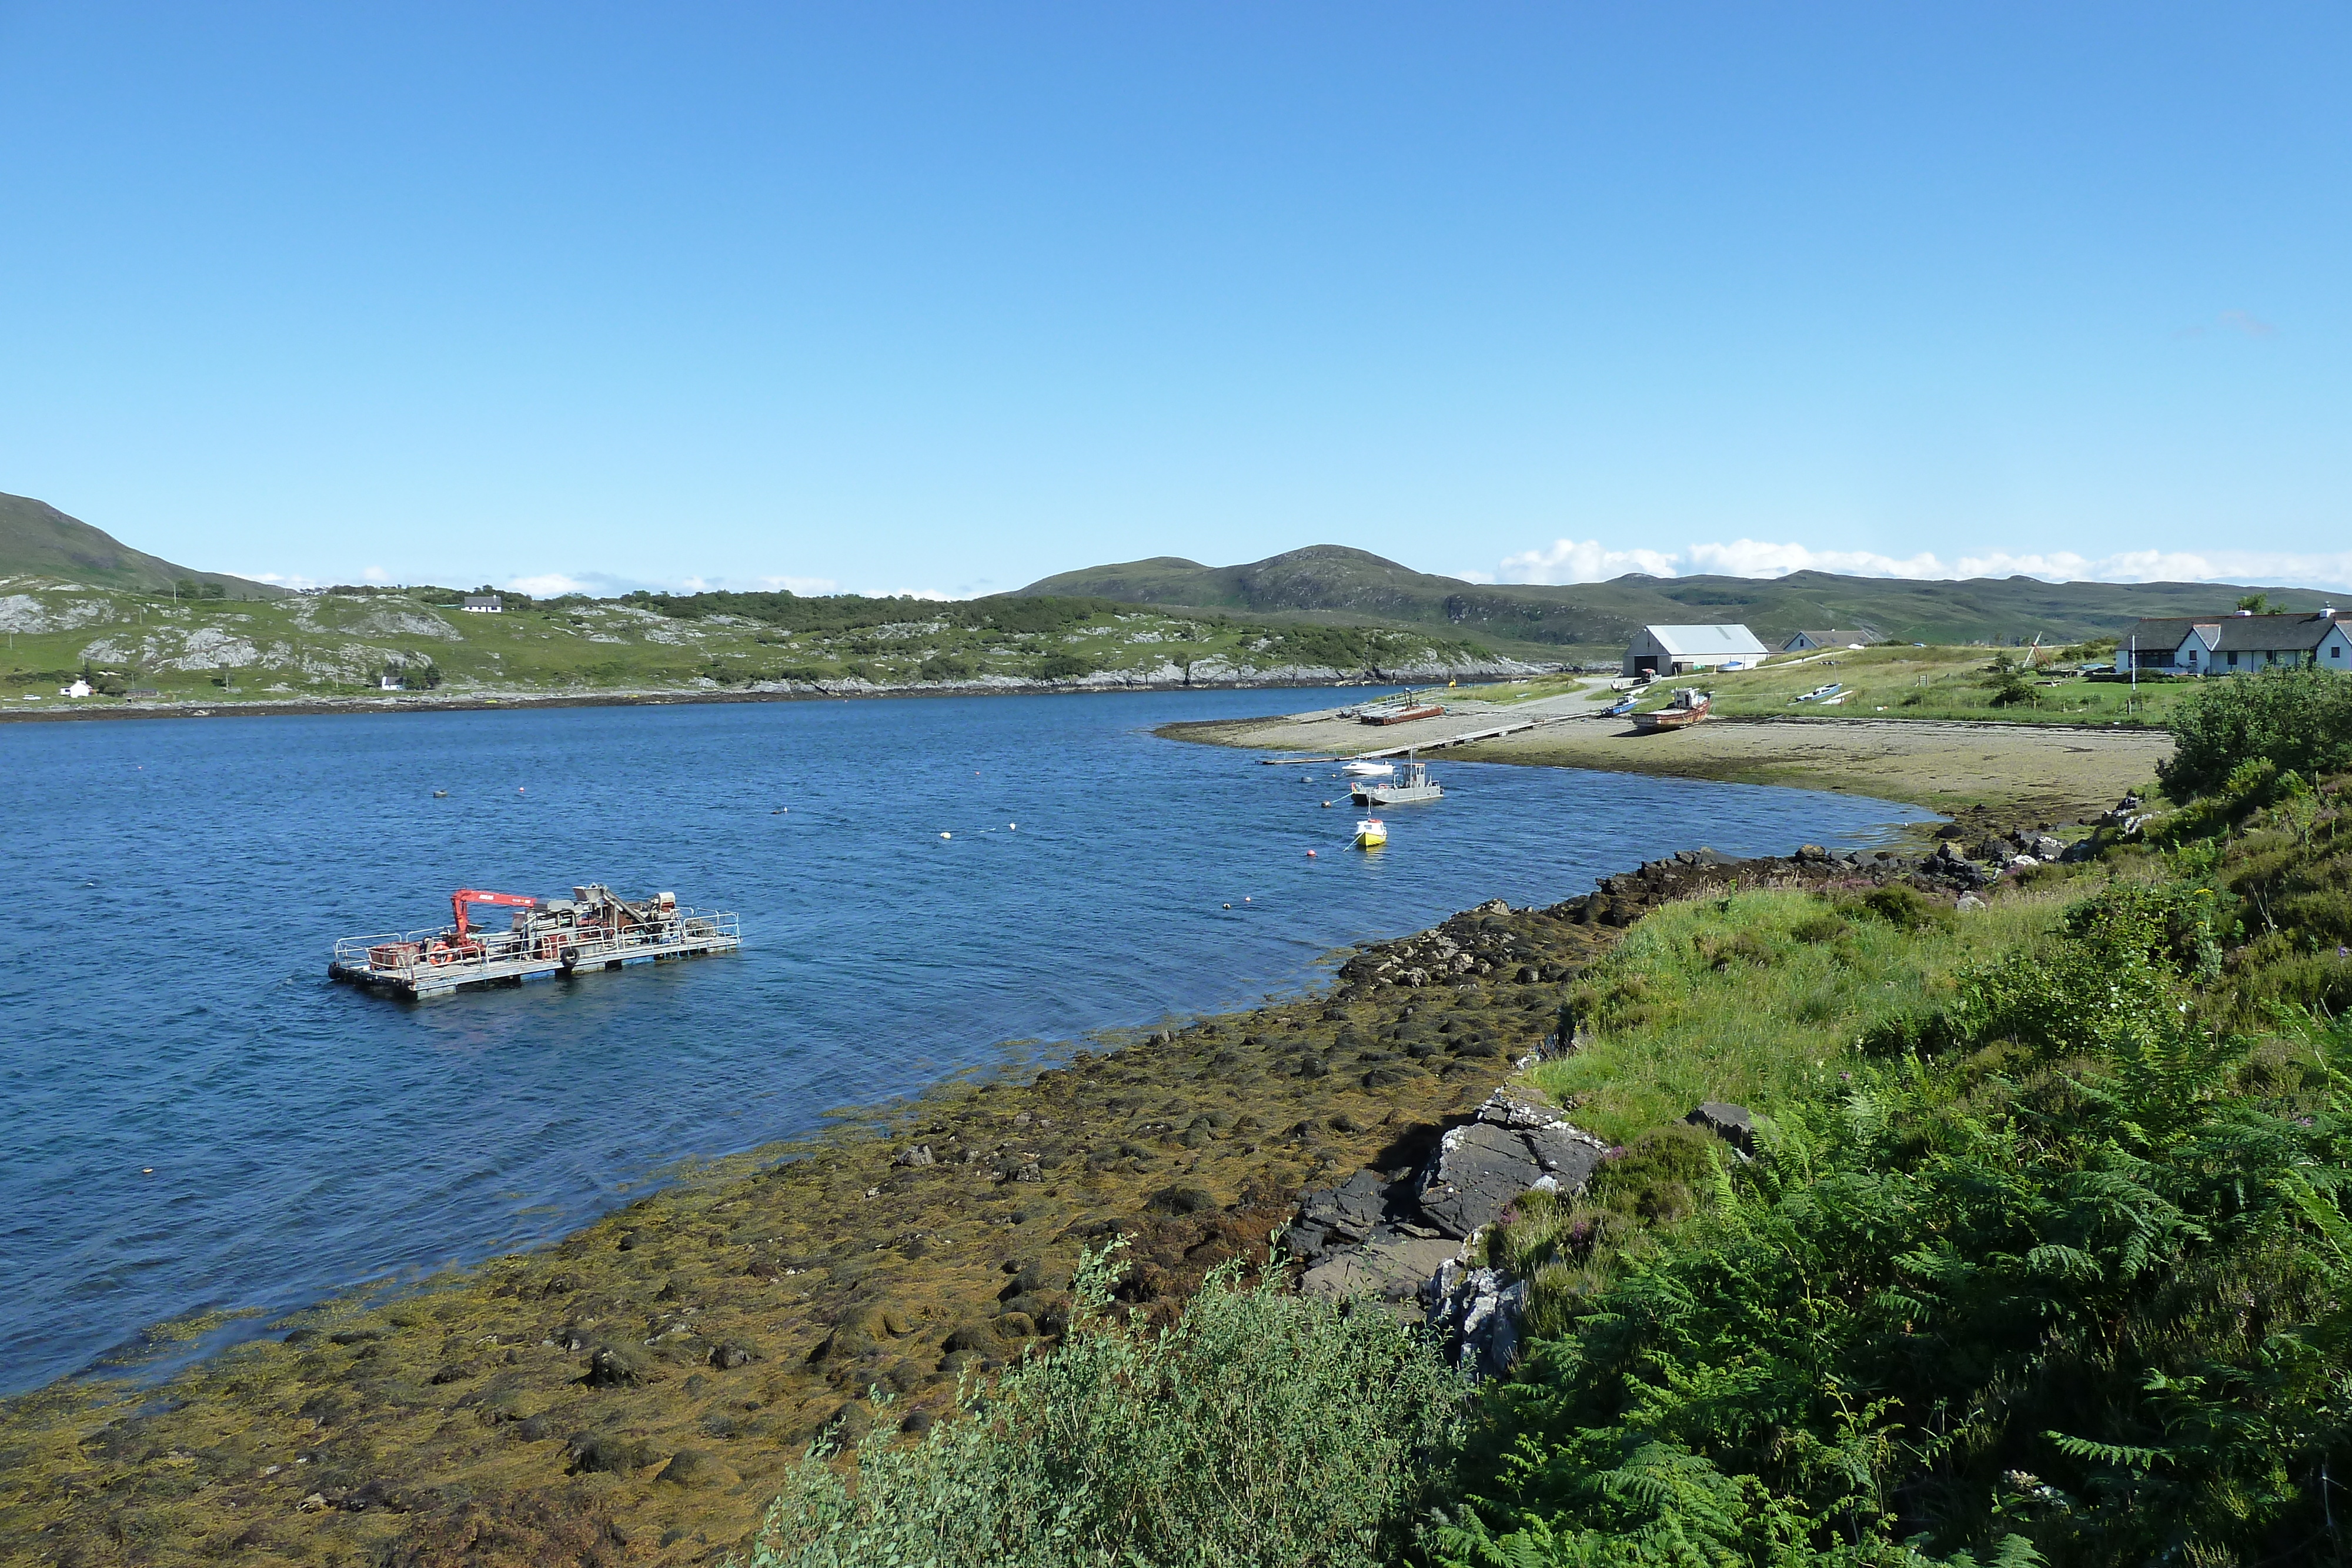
<point>1327,582</point>
<point>342,641</point>
<point>38,540</point>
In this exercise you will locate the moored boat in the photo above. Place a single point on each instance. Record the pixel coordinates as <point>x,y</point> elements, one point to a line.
<point>1371,834</point>
<point>1411,785</point>
<point>1400,716</point>
<point>1369,769</point>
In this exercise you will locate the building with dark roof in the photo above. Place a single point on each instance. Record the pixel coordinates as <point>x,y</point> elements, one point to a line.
<point>1835,637</point>
<point>2236,643</point>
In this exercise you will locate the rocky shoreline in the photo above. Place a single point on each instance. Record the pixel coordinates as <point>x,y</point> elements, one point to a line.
<point>640,1387</point>
<point>1409,1235</point>
<point>63,709</point>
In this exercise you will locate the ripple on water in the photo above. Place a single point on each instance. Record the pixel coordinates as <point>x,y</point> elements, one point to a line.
<point>200,1121</point>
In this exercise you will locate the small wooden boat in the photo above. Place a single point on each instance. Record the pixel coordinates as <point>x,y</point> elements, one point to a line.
<point>1371,834</point>
<point>1688,707</point>
<point>1402,715</point>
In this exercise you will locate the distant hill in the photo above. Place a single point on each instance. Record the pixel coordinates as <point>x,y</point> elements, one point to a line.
<point>38,540</point>
<point>1333,583</point>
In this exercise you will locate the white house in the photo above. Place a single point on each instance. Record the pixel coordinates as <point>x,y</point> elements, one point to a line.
<point>1678,649</point>
<point>2237,644</point>
<point>485,604</point>
<point>80,688</point>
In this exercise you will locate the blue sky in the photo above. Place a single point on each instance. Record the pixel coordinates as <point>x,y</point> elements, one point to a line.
<point>944,298</point>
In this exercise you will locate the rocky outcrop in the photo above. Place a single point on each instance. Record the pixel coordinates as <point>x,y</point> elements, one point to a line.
<point>1514,1144</point>
<point>1476,1312</point>
<point>1733,1124</point>
<point>1404,1238</point>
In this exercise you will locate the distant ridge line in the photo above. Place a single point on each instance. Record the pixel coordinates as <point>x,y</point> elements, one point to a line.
<point>1340,583</point>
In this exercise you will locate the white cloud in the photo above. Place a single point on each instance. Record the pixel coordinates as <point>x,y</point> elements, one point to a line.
<point>374,574</point>
<point>800,585</point>
<point>1569,561</point>
<point>917,593</point>
<point>1757,558</point>
<point>283,579</point>
<point>1572,560</point>
<point>550,585</point>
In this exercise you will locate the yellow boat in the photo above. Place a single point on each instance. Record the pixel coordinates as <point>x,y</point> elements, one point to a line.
<point>1371,834</point>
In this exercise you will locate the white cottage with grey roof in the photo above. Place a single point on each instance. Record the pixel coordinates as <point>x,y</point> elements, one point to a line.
<point>2238,644</point>
<point>1678,650</point>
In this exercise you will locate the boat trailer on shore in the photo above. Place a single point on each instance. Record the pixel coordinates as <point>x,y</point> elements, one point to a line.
<point>593,929</point>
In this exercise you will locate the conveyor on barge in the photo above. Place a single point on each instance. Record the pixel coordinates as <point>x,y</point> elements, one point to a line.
<point>593,929</point>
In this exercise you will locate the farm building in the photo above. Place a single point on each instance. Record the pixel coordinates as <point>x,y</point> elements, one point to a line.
<point>486,603</point>
<point>1678,650</point>
<point>2237,644</point>
<point>1805,642</point>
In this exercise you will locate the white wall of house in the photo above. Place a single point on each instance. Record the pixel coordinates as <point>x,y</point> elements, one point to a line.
<point>2335,651</point>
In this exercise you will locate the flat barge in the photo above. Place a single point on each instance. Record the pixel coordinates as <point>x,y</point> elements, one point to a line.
<point>593,929</point>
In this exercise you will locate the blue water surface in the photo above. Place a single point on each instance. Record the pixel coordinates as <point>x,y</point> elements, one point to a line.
<point>194,1118</point>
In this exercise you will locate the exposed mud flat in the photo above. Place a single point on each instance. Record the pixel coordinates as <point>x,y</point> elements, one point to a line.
<point>2047,772</point>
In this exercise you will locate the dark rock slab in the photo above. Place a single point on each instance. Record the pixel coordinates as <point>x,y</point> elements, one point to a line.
<point>1391,1267</point>
<point>1733,1124</point>
<point>1518,1144</point>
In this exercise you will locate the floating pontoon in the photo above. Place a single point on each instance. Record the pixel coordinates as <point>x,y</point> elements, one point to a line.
<point>593,929</point>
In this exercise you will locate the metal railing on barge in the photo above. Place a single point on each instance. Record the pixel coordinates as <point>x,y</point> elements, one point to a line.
<point>430,960</point>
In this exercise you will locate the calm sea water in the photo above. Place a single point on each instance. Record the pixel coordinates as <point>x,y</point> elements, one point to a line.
<point>193,1118</point>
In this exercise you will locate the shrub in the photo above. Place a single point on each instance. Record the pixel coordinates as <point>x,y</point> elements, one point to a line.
<point>1905,906</point>
<point>2007,687</point>
<point>1262,1429</point>
<point>1042,615</point>
<point>2080,1303</point>
<point>1065,665</point>
<point>946,667</point>
<point>2297,719</point>
<point>1818,928</point>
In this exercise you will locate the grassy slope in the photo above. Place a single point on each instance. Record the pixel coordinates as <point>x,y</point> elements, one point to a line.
<point>338,645</point>
<point>36,539</point>
<point>1766,1000</point>
<point>1596,619</point>
<point>1900,683</point>
<point>1758,1000</point>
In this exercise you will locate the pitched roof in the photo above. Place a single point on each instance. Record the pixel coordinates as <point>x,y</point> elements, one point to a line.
<point>1841,634</point>
<point>1729,642</point>
<point>2237,633</point>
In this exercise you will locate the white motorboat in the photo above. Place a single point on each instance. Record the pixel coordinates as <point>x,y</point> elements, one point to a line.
<point>1412,785</point>
<point>1369,769</point>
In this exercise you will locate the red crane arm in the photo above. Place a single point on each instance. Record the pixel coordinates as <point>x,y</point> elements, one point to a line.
<point>466,895</point>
